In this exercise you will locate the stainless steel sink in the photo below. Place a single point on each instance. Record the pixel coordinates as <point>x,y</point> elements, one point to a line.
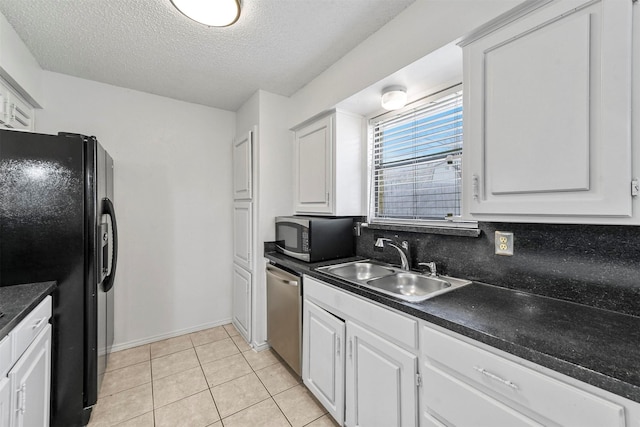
<point>409,284</point>
<point>360,271</point>
<point>405,285</point>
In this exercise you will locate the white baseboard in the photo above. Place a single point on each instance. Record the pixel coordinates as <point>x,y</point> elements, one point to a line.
<point>260,347</point>
<point>148,340</point>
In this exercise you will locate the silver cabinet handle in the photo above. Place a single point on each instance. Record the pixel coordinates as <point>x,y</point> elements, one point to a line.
<point>23,407</point>
<point>338,345</point>
<point>39,323</point>
<point>21,398</point>
<point>495,377</point>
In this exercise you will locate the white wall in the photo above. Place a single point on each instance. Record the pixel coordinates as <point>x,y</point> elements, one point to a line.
<point>429,24</point>
<point>173,199</point>
<point>248,115</point>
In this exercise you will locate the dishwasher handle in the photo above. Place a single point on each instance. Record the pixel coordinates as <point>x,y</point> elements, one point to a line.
<point>272,271</point>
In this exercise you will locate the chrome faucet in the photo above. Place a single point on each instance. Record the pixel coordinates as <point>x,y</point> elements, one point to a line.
<point>403,257</point>
<point>431,266</point>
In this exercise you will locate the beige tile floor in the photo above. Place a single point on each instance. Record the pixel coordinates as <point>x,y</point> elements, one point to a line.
<point>207,378</point>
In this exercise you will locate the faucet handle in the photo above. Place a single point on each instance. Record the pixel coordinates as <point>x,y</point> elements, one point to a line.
<point>431,266</point>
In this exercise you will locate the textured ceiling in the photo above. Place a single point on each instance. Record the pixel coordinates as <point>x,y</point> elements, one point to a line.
<point>147,45</point>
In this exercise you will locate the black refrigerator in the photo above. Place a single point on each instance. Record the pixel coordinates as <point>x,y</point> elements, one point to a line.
<point>57,222</point>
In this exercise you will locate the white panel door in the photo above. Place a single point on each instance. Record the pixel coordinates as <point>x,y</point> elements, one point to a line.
<point>242,301</point>
<point>242,234</point>
<point>381,382</point>
<point>555,144</point>
<point>313,167</point>
<point>548,117</point>
<point>31,383</point>
<point>242,167</point>
<point>323,358</point>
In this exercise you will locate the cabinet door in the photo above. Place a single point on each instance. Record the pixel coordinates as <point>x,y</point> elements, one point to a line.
<point>548,116</point>
<point>242,301</point>
<point>31,382</point>
<point>5,402</point>
<point>242,234</point>
<point>313,168</point>
<point>242,167</point>
<point>381,379</point>
<point>323,358</point>
<point>14,112</point>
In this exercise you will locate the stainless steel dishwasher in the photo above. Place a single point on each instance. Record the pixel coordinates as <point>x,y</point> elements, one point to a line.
<point>284,315</point>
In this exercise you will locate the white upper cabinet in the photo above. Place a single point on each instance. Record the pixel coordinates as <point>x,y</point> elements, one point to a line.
<point>242,167</point>
<point>328,165</point>
<point>15,113</point>
<point>18,66</point>
<point>548,115</point>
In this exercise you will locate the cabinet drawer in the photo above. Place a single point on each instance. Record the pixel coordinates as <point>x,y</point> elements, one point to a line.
<point>5,355</point>
<point>30,327</point>
<point>396,327</point>
<point>509,381</point>
<point>479,408</point>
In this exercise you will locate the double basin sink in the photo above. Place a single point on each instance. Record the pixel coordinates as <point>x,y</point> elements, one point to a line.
<point>406,285</point>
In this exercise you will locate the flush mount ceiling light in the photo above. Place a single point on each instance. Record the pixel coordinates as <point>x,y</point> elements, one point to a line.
<point>214,13</point>
<point>394,97</point>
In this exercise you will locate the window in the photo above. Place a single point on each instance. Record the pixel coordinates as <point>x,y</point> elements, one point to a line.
<point>415,162</point>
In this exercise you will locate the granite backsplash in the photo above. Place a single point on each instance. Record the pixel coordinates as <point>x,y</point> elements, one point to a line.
<point>592,265</point>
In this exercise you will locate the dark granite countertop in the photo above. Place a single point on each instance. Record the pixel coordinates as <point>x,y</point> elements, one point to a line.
<point>17,301</point>
<point>596,346</point>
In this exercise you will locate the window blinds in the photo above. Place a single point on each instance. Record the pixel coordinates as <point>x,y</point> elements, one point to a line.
<point>416,156</point>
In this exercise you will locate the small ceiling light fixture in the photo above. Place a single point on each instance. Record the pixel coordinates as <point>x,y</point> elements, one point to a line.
<point>394,97</point>
<point>213,13</point>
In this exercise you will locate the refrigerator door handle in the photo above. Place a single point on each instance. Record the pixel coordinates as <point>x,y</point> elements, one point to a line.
<point>107,284</point>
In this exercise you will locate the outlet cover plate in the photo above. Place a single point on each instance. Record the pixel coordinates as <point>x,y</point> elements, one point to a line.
<point>504,243</point>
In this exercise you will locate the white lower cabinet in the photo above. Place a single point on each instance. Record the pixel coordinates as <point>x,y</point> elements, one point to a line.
<point>242,300</point>
<point>30,378</point>
<point>381,381</point>
<point>480,408</point>
<point>372,366</point>
<point>502,390</point>
<point>25,370</point>
<point>323,365</point>
<point>362,376</point>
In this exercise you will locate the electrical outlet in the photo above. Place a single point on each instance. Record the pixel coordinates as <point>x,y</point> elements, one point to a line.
<point>504,243</point>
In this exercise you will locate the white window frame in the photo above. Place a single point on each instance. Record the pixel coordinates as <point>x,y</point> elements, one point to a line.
<point>449,222</point>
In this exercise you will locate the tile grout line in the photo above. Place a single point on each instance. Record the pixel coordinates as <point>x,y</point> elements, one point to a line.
<point>185,397</point>
<point>253,371</point>
<point>128,388</point>
<point>153,402</point>
<point>244,409</point>
<point>215,405</point>
<point>272,395</point>
<point>200,364</point>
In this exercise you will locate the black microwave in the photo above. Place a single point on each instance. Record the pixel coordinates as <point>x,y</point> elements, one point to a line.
<point>313,239</point>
